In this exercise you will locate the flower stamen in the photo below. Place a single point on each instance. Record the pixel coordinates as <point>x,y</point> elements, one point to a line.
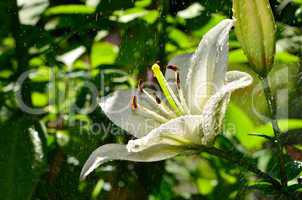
<point>157,99</point>
<point>140,109</point>
<point>179,90</point>
<point>172,67</point>
<point>134,105</point>
<point>177,80</point>
<point>149,113</point>
<point>156,102</point>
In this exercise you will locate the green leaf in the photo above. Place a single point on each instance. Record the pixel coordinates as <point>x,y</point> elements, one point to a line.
<point>70,57</point>
<point>266,188</point>
<point>125,16</point>
<point>192,11</point>
<point>69,9</point>
<point>293,169</point>
<point>244,127</point>
<point>294,187</point>
<point>206,186</point>
<point>241,128</point>
<point>215,19</point>
<point>179,37</point>
<point>103,53</point>
<point>285,57</point>
<point>237,56</point>
<point>30,11</point>
<point>106,7</point>
<point>151,16</point>
<point>21,159</point>
<point>284,124</point>
<point>267,130</point>
<point>97,189</point>
<point>143,3</point>
<point>39,99</point>
<point>298,1</point>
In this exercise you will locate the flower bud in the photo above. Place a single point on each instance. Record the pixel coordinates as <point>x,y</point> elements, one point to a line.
<point>255,29</point>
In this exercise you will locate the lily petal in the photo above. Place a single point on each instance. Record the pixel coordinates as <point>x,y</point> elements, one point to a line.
<point>111,152</point>
<point>118,108</point>
<point>215,107</point>
<point>208,66</point>
<point>181,131</point>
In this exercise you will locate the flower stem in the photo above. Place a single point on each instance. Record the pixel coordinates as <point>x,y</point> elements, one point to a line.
<point>238,159</point>
<point>272,106</point>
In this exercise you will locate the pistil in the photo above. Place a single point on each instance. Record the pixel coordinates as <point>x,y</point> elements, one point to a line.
<point>167,91</point>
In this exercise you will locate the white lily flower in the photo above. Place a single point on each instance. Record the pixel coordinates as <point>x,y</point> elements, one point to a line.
<point>192,113</point>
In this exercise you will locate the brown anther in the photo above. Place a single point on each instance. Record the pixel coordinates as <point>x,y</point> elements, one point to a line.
<point>134,105</point>
<point>177,80</point>
<point>140,85</point>
<point>172,67</point>
<point>158,101</point>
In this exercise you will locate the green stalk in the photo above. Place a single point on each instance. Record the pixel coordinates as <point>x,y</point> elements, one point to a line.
<point>272,107</point>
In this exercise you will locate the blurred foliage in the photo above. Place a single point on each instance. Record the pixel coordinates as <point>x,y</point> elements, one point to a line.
<point>69,48</point>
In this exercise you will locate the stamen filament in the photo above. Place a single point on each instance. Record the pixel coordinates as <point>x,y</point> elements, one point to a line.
<point>168,92</point>
<point>149,113</point>
<point>180,94</point>
<point>146,112</point>
<point>156,102</point>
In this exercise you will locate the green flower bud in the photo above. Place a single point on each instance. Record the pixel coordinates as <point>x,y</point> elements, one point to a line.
<point>255,29</point>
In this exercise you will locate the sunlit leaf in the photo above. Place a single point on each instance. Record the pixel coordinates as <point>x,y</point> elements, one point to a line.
<point>125,16</point>
<point>103,53</point>
<point>180,38</point>
<point>151,16</point>
<point>69,9</point>
<point>240,128</point>
<point>70,57</point>
<point>31,10</point>
<point>215,19</point>
<point>143,3</point>
<point>190,12</point>
<point>97,189</point>
<point>206,186</point>
<point>298,1</point>
<point>284,124</point>
<point>39,99</point>
<point>285,57</point>
<point>237,56</point>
